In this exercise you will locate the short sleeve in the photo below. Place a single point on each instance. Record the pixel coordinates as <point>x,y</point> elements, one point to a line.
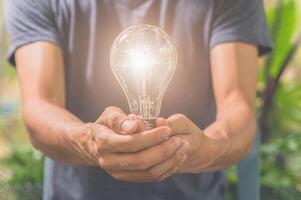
<point>29,21</point>
<point>240,20</point>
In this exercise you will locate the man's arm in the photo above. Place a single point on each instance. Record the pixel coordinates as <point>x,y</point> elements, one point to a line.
<point>145,156</point>
<point>41,79</point>
<point>234,74</point>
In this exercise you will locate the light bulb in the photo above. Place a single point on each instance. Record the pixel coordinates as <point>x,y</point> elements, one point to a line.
<point>143,60</point>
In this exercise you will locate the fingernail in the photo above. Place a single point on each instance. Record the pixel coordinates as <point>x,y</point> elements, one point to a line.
<point>166,133</point>
<point>127,125</point>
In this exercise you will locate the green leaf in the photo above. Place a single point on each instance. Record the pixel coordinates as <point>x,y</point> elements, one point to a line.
<point>288,105</point>
<point>284,20</point>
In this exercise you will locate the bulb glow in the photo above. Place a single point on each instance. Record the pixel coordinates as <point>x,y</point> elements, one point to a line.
<point>140,60</point>
<point>143,60</point>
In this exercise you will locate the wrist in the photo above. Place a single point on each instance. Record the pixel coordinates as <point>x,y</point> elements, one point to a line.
<point>211,151</point>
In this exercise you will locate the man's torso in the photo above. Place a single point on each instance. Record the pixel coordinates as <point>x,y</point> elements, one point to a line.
<point>87,29</point>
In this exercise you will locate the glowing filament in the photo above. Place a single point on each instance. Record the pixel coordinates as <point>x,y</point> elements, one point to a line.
<point>140,60</point>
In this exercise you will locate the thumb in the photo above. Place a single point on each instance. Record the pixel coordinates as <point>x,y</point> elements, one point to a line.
<point>180,124</point>
<point>115,119</point>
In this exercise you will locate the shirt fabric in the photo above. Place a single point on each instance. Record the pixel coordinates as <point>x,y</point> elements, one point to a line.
<point>85,30</point>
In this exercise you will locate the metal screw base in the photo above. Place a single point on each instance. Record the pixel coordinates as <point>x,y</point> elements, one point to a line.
<point>149,123</point>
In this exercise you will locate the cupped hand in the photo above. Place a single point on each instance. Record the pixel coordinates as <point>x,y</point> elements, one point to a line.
<point>123,148</point>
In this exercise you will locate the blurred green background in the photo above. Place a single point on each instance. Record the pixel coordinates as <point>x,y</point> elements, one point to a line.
<point>278,112</point>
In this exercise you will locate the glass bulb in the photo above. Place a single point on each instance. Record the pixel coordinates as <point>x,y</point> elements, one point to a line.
<point>143,60</point>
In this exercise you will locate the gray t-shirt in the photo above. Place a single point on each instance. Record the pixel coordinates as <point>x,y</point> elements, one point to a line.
<point>85,30</point>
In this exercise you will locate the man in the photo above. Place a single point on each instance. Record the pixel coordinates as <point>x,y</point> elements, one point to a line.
<point>61,52</point>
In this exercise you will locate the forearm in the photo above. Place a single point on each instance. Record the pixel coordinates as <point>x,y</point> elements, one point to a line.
<point>234,68</point>
<point>229,138</point>
<point>53,130</point>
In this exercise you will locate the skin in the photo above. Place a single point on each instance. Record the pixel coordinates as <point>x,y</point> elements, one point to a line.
<point>119,143</point>
<point>234,73</point>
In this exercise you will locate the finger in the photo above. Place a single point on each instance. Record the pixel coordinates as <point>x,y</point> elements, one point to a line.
<point>109,141</point>
<point>161,122</point>
<point>144,159</point>
<point>173,170</point>
<point>139,141</point>
<point>157,172</point>
<point>140,124</point>
<point>117,120</point>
